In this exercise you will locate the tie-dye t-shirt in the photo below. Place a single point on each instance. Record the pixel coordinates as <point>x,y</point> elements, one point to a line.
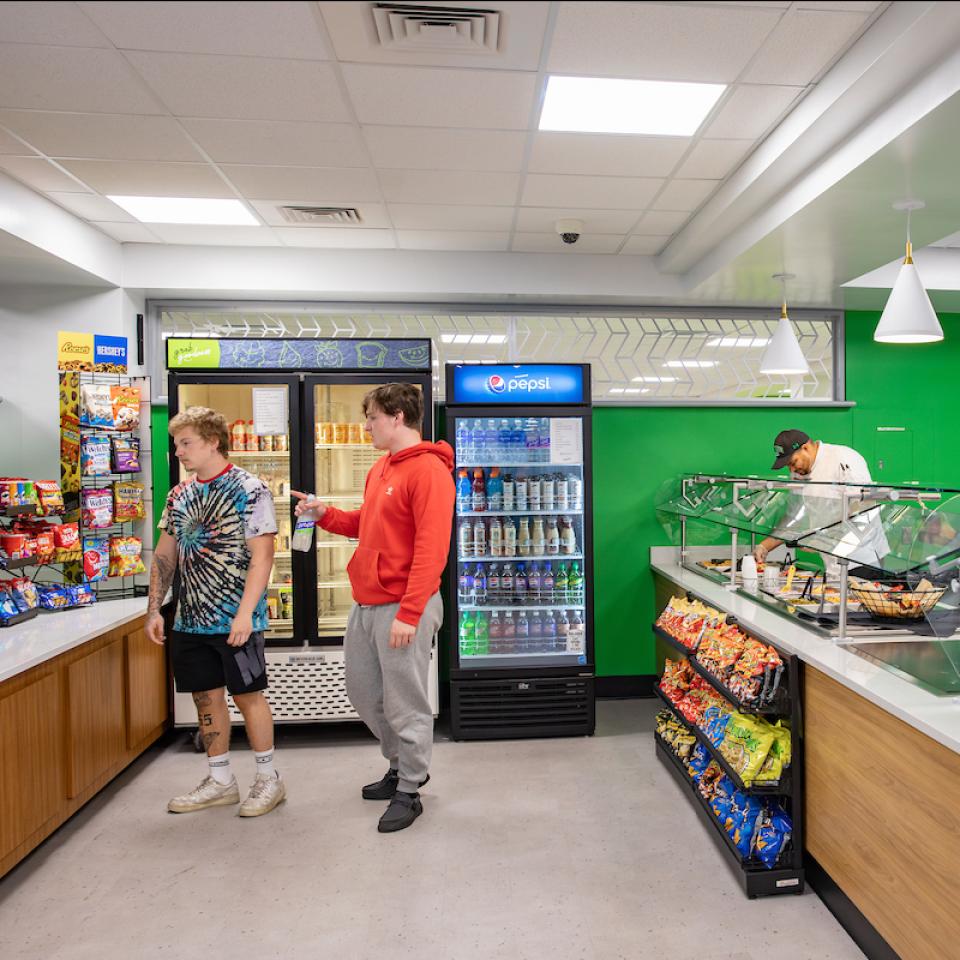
<point>211,522</point>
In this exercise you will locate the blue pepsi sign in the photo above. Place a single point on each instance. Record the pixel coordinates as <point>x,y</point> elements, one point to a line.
<point>518,384</point>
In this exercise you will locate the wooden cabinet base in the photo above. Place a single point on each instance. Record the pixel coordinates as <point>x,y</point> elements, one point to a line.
<point>882,817</point>
<point>69,726</point>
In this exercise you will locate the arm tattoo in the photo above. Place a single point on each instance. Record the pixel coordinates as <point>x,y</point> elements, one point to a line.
<point>161,577</point>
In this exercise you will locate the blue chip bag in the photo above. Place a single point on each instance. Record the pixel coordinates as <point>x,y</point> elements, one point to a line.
<point>773,831</point>
<point>81,595</point>
<point>8,609</point>
<point>722,798</point>
<point>699,761</point>
<point>54,597</point>
<point>742,822</point>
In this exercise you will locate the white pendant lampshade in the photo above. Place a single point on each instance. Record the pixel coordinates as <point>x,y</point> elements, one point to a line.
<point>909,316</point>
<point>783,355</point>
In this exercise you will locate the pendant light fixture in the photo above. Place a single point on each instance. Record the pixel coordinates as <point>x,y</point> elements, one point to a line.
<point>783,355</point>
<point>909,316</point>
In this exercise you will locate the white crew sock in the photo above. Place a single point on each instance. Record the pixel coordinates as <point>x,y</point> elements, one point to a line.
<point>220,768</point>
<point>264,760</point>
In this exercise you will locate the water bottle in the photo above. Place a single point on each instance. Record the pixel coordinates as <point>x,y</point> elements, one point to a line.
<point>517,441</point>
<point>531,440</point>
<point>478,437</point>
<point>504,435</point>
<point>545,440</point>
<point>302,538</point>
<point>463,441</point>
<point>492,440</point>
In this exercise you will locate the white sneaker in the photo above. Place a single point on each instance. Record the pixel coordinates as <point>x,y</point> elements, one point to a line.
<point>264,795</point>
<point>210,793</point>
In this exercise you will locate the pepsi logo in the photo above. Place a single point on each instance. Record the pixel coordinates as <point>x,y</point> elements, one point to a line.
<point>496,383</point>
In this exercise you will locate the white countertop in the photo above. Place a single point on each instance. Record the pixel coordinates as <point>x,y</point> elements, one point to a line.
<point>937,717</point>
<point>53,632</point>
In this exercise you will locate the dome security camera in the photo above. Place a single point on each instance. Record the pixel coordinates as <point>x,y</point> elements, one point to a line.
<point>569,230</point>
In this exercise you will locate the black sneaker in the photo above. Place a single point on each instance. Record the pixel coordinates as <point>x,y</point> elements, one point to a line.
<point>403,810</point>
<point>386,786</point>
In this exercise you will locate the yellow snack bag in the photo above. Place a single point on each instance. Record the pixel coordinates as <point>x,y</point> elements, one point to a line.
<point>778,759</point>
<point>745,745</point>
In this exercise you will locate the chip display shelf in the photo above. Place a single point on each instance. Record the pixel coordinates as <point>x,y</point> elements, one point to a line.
<point>787,874</point>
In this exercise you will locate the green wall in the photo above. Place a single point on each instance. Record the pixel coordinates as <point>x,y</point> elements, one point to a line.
<point>160,461</point>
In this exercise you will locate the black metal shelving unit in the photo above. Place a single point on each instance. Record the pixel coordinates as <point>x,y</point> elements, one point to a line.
<point>756,880</point>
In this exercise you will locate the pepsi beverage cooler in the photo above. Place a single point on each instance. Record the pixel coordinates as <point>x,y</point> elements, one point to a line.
<point>521,591</point>
<point>294,407</point>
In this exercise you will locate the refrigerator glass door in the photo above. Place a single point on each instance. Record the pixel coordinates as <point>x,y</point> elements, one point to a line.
<point>519,542</point>
<point>266,455</point>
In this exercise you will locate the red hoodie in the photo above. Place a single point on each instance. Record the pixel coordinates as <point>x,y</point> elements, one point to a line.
<point>404,528</point>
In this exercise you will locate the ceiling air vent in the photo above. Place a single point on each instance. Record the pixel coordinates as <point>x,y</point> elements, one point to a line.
<point>438,29</point>
<point>320,214</point>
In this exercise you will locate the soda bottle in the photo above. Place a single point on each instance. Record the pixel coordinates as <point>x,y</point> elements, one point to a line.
<point>504,435</point>
<point>493,584</point>
<point>560,585</point>
<point>508,644</point>
<point>303,532</point>
<point>495,632</point>
<point>534,584</point>
<point>538,539</point>
<point>523,630</point>
<point>575,583</point>
<point>547,584</point>
<point>478,441</point>
<point>523,538</point>
<point>520,585</point>
<point>568,537</point>
<point>481,640</point>
<point>563,630</point>
<point>479,586</point>
<point>531,440</point>
<point>563,492</point>
<point>465,538</point>
<point>479,494</point>
<point>506,584</point>
<point>495,490</point>
<point>520,496</point>
<point>534,487</point>
<point>575,492</point>
<point>509,489</point>
<point>536,630</point>
<point>465,587</point>
<point>496,537</point>
<point>492,439</point>
<point>549,632</point>
<point>464,491</point>
<point>509,538</point>
<point>467,636</point>
<point>480,538</point>
<point>463,441</point>
<point>548,493</point>
<point>553,537</point>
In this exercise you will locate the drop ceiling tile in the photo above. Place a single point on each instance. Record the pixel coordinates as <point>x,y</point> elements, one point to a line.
<point>40,174</point>
<point>551,243</point>
<point>9,144</point>
<point>218,236</point>
<point>344,238</point>
<point>440,98</point>
<point>91,207</point>
<point>371,214</point>
<point>446,217</point>
<point>611,193</point>
<point>60,24</point>
<point>71,78</point>
<point>684,194</point>
<point>134,178</point>
<point>714,159</point>
<point>353,33</point>
<point>243,88</point>
<point>803,45</point>
<point>644,246</point>
<point>128,232</point>
<point>452,240</point>
<point>863,7</point>
<point>661,223</point>
<point>606,155</point>
<point>278,143</point>
<point>658,41</point>
<point>278,29</point>
<point>423,148</point>
<point>543,219</point>
<point>450,186</point>
<point>101,136</point>
<point>327,185</point>
<point>749,111</point>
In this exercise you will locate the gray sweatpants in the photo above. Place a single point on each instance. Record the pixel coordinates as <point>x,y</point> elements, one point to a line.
<point>388,688</point>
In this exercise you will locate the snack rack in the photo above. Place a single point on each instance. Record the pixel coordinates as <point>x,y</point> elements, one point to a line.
<point>17,568</point>
<point>73,482</point>
<point>787,875</point>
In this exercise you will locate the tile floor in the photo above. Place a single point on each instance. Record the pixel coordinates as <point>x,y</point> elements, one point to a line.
<point>571,849</point>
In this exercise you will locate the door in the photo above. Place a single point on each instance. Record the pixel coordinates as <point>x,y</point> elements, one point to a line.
<point>337,471</point>
<point>263,414</point>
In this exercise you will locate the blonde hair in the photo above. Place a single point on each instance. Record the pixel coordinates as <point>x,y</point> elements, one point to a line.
<point>208,424</point>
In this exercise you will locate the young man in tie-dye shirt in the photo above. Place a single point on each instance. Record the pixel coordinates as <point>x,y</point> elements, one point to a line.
<point>218,527</point>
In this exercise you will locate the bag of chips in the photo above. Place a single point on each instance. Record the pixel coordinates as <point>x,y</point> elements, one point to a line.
<point>66,541</point>
<point>8,608</point>
<point>126,556</point>
<point>96,558</point>
<point>772,833</point>
<point>81,595</point>
<point>126,455</point>
<point>128,500</point>
<point>742,820</point>
<point>24,593</point>
<point>94,456</point>
<point>46,545</point>
<point>96,508</point>
<point>95,405</point>
<point>778,759</point>
<point>746,744</point>
<point>54,597</point>
<point>125,403</point>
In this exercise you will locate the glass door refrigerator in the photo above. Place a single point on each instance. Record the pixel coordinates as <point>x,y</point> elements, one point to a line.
<point>294,408</point>
<point>521,591</point>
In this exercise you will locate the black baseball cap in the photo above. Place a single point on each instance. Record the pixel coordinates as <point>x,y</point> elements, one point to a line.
<point>786,444</point>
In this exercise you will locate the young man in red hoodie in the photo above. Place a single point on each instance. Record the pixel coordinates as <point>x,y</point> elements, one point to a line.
<point>404,531</point>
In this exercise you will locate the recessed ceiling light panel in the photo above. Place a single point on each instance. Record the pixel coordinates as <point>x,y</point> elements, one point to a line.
<point>192,210</point>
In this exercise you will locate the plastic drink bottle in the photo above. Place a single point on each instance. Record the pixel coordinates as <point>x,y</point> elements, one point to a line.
<point>480,538</point>
<point>478,440</point>
<point>465,587</point>
<point>548,491</point>
<point>504,435</point>
<point>506,584</point>
<point>496,537</point>
<point>523,538</point>
<point>520,584</point>
<point>568,537</point>
<point>545,440</point>
<point>479,494</point>
<point>523,629</point>
<point>563,630</point>
<point>464,492</point>
<point>563,493</point>
<point>493,583</point>
<point>509,633</point>
<point>575,489</point>
<point>560,585</point>
<point>465,538</point>
<point>536,629</point>
<point>302,538</point>
<point>467,636</point>
<point>509,538</point>
<point>553,537</point>
<point>577,640</point>
<point>575,583</point>
<point>538,539</point>
<point>463,441</point>
<point>520,495</point>
<point>479,586</point>
<point>481,642</point>
<point>531,440</point>
<point>549,631</point>
<point>534,584</point>
<point>509,491</point>
<point>495,632</point>
<point>517,440</point>
<point>491,439</point>
<point>534,488</point>
<point>495,490</point>
<point>547,583</point>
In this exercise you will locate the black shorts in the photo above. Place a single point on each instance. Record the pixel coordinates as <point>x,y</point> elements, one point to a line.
<point>205,661</point>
